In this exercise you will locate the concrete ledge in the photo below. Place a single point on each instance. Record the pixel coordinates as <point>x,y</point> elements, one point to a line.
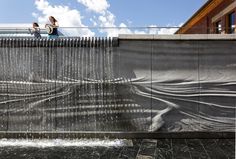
<point>120,135</point>
<point>178,37</point>
<point>59,42</point>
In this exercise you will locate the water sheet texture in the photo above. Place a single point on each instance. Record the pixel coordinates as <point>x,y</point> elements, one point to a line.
<point>139,85</point>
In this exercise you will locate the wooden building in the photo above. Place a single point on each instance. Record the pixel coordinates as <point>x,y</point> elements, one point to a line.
<point>214,17</point>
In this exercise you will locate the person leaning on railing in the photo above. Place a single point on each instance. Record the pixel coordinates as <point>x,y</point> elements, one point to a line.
<point>52,29</point>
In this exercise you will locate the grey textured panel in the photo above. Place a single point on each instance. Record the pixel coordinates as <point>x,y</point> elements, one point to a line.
<point>133,69</point>
<point>175,84</point>
<point>217,70</point>
<point>4,90</point>
<point>140,86</point>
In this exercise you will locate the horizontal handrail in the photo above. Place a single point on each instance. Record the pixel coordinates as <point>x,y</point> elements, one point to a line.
<point>79,30</point>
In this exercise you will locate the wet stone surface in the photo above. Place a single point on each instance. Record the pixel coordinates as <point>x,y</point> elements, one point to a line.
<point>140,149</point>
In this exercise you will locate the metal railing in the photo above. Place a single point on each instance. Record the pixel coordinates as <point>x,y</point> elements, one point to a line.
<point>110,31</point>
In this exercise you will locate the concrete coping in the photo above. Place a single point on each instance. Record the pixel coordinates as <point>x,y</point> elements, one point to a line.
<point>177,37</point>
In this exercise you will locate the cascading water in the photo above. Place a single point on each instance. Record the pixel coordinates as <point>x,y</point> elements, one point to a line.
<point>56,85</point>
<point>94,85</point>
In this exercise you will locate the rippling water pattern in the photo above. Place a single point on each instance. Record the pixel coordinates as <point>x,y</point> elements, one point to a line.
<point>139,85</point>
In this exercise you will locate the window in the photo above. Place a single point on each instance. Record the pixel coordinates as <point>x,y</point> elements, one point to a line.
<point>218,27</point>
<point>231,24</point>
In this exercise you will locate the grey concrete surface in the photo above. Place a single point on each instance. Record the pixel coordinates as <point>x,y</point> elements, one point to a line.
<point>143,85</point>
<point>177,37</point>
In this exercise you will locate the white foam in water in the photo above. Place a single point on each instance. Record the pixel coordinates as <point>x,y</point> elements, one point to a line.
<point>42,143</point>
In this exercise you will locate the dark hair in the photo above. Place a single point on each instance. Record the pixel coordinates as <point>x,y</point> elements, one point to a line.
<point>36,24</point>
<point>54,19</point>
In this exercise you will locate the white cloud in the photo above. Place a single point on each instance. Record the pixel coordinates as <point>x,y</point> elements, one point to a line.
<point>139,32</point>
<point>98,6</point>
<point>66,18</point>
<point>167,31</point>
<point>102,18</point>
<point>124,29</point>
<point>107,25</point>
<point>170,29</point>
<point>153,29</point>
<point>15,25</point>
<point>105,20</point>
<point>35,15</point>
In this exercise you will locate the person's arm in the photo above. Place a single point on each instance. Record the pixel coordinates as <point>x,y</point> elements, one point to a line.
<point>31,31</point>
<point>56,25</point>
<point>53,25</point>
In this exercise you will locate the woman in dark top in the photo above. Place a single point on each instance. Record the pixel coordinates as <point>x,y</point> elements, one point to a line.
<point>52,28</point>
<point>35,30</point>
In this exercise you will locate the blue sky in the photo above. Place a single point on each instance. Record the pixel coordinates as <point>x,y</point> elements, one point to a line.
<point>100,13</point>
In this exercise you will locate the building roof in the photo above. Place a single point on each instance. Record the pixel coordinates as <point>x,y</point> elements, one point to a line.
<point>196,17</point>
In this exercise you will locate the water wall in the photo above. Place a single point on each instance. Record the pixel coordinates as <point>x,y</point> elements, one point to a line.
<point>117,85</point>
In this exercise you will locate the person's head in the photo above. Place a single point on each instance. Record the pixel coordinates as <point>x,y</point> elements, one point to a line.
<point>35,25</point>
<point>52,19</point>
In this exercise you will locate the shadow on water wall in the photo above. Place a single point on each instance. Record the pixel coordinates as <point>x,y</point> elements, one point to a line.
<point>139,86</point>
